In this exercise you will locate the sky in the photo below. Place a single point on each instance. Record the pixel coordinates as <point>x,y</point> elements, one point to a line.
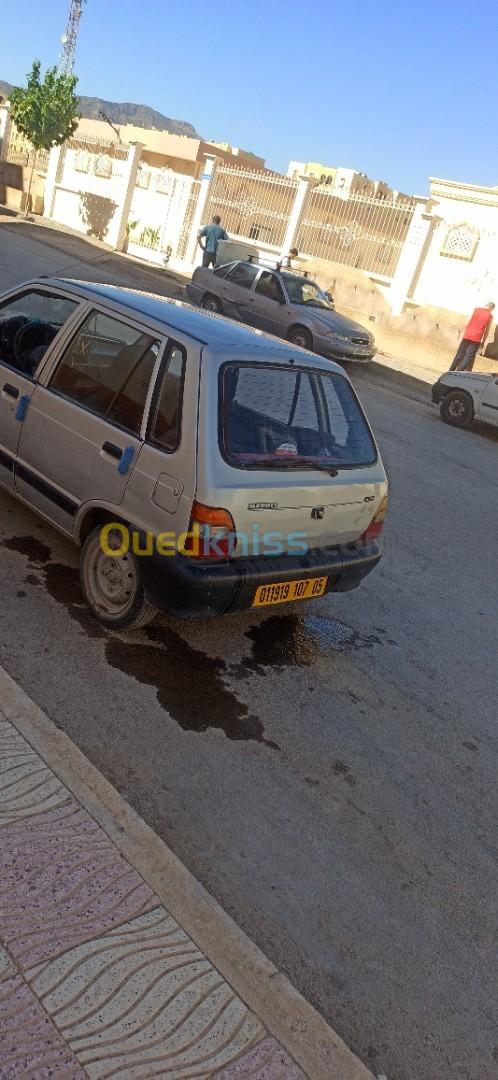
<point>396,91</point>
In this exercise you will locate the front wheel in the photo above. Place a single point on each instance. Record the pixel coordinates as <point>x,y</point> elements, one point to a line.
<point>301,336</point>
<point>211,303</point>
<point>457,409</point>
<point>112,583</point>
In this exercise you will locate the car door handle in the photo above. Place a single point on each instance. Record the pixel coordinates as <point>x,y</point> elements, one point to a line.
<point>123,457</point>
<point>112,450</point>
<point>10,391</point>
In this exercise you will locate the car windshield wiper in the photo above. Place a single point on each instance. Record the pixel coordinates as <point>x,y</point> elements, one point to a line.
<point>294,463</point>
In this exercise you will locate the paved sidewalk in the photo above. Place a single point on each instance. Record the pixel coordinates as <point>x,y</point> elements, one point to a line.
<point>97,978</point>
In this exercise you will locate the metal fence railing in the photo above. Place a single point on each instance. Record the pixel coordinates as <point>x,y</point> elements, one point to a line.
<point>357,230</point>
<point>252,204</point>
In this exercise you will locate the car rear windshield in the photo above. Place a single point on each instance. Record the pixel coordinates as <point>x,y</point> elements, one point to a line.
<point>291,418</point>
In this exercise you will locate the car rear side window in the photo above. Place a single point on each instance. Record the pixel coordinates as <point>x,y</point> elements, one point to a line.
<point>287,417</point>
<point>165,424</point>
<point>107,369</point>
<point>243,274</point>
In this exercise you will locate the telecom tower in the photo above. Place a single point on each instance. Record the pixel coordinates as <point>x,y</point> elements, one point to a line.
<point>69,39</point>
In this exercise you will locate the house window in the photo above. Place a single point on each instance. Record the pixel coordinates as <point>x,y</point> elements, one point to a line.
<point>164,182</point>
<point>82,161</point>
<point>143,178</point>
<point>103,166</point>
<point>460,242</point>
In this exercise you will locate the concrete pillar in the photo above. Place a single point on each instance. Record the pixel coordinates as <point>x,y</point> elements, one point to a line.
<point>207,177</point>
<point>412,254</point>
<point>54,171</point>
<point>302,193</point>
<point>116,233</point>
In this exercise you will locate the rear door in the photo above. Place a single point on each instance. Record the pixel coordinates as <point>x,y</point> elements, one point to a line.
<point>235,291</point>
<point>30,322</point>
<point>84,430</point>
<point>161,490</point>
<point>270,304</point>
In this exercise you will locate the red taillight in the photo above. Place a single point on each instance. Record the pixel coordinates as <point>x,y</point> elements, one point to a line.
<point>377,523</point>
<point>211,533</point>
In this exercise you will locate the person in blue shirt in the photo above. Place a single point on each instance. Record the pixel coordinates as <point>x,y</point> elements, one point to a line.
<point>211,234</point>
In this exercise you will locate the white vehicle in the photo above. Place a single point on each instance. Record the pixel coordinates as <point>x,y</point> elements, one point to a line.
<point>202,467</point>
<point>464,396</point>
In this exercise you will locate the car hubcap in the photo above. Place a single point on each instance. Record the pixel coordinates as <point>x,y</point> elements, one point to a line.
<point>111,581</point>
<point>456,409</point>
<point>301,340</point>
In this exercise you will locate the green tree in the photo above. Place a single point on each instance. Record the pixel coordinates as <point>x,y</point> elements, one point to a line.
<point>45,111</point>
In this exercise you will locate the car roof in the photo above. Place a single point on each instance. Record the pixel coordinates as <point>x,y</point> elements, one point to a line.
<point>205,327</point>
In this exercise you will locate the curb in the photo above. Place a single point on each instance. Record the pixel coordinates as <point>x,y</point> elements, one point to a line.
<point>284,1012</point>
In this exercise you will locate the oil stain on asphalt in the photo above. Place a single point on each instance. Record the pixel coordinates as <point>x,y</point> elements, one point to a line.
<point>299,641</point>
<point>189,684</point>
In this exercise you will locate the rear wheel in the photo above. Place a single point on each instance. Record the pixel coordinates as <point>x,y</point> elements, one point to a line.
<point>457,408</point>
<point>112,583</point>
<point>211,303</point>
<point>300,336</point>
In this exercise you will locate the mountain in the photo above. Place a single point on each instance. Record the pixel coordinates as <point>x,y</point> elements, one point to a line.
<point>125,112</point>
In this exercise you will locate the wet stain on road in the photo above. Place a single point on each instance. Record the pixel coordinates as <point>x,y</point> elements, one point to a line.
<point>32,579</point>
<point>29,546</point>
<point>345,772</point>
<point>299,641</point>
<point>189,684</point>
<point>63,584</point>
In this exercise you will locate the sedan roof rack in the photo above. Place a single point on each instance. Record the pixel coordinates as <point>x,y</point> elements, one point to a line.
<point>277,265</point>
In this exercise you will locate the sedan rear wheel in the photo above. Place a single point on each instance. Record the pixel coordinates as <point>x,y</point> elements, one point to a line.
<point>457,409</point>
<point>112,583</point>
<point>211,303</point>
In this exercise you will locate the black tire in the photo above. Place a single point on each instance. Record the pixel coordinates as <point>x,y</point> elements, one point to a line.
<point>457,409</point>
<point>300,336</point>
<point>112,585</point>
<point>211,303</point>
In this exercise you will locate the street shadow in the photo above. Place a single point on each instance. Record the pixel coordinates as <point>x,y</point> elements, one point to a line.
<point>96,213</point>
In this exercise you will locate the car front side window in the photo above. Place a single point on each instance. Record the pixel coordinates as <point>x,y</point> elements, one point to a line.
<point>107,369</point>
<point>28,325</point>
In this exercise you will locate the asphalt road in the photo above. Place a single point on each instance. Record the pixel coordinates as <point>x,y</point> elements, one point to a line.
<point>330,776</point>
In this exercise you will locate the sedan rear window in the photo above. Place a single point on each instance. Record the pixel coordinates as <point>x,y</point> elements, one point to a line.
<point>282,417</point>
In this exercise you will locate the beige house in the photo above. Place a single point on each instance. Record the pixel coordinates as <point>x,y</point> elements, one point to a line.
<point>163,150</point>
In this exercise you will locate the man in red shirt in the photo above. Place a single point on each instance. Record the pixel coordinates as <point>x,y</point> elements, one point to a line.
<point>474,335</point>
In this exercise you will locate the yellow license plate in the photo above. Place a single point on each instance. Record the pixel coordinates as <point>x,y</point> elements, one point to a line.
<point>284,591</point>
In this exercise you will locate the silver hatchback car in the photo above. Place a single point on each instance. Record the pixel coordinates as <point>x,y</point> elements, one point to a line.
<point>201,467</point>
<point>282,302</point>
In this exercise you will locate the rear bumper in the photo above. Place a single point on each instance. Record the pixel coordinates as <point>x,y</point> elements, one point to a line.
<point>190,588</point>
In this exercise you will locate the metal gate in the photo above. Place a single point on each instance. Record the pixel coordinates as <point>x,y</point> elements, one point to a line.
<point>252,204</point>
<point>360,231</point>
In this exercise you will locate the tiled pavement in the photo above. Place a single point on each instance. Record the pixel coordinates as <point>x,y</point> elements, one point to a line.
<point>96,978</point>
